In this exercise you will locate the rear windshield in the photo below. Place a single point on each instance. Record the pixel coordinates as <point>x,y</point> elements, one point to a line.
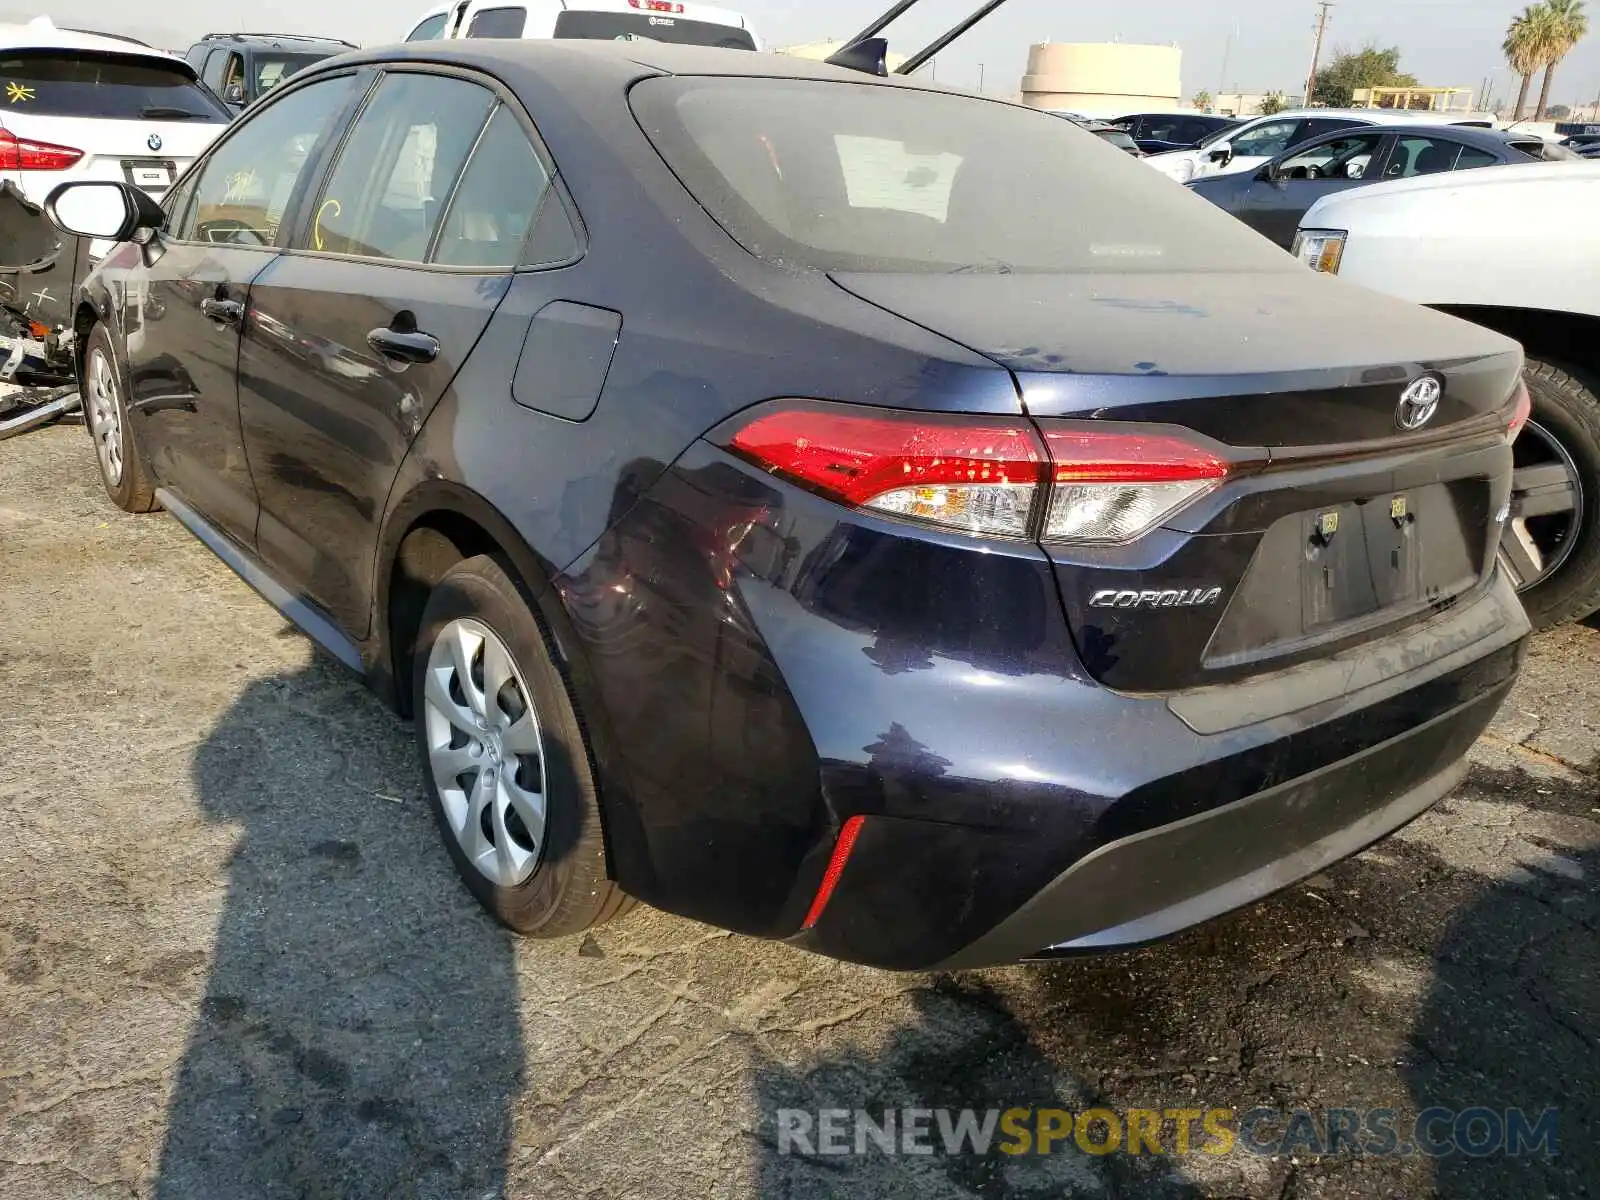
<point>101,85</point>
<point>622,26</point>
<point>873,177</point>
<point>271,69</point>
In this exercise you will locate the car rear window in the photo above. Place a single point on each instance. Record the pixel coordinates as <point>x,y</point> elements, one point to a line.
<point>609,26</point>
<point>864,177</point>
<point>54,84</point>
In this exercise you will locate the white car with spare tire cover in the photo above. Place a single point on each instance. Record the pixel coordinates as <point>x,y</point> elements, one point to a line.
<point>1516,249</point>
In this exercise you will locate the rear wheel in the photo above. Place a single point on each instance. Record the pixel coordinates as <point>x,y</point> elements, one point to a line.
<point>505,758</point>
<point>1551,546</point>
<point>105,415</point>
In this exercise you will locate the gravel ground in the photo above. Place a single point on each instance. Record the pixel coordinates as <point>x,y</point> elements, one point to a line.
<point>234,961</point>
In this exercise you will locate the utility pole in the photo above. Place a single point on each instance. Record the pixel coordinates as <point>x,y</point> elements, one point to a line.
<point>1227,53</point>
<point>1316,48</point>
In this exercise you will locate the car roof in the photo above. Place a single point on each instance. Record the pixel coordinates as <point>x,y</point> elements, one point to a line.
<point>626,60</point>
<point>277,41</point>
<point>41,34</point>
<point>1470,135</point>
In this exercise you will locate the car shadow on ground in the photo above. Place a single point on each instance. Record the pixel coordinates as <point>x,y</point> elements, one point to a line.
<point>359,1033</point>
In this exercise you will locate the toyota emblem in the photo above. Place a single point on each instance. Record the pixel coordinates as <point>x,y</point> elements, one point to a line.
<point>1419,402</point>
<point>154,141</point>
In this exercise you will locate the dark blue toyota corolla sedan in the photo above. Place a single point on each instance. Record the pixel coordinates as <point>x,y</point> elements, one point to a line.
<point>827,507</point>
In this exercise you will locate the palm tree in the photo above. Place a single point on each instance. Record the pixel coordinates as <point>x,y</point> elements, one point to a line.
<point>1565,24</point>
<point>1524,49</point>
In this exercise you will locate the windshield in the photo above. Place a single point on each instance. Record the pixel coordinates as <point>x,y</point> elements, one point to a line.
<point>615,26</point>
<point>875,177</point>
<point>1217,135</point>
<point>273,69</point>
<point>85,84</point>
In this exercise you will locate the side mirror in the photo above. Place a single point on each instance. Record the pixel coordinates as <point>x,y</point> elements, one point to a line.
<point>234,94</point>
<point>109,211</point>
<point>1221,153</point>
<point>1269,173</point>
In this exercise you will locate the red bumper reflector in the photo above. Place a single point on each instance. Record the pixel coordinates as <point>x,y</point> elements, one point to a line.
<point>1521,412</point>
<point>830,878</point>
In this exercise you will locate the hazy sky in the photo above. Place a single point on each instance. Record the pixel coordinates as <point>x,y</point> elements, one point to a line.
<point>1444,42</point>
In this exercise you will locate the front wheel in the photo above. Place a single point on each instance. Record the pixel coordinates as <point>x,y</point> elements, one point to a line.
<point>505,758</point>
<point>1551,545</point>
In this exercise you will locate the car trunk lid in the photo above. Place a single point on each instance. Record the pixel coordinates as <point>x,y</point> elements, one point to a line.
<point>1365,442</point>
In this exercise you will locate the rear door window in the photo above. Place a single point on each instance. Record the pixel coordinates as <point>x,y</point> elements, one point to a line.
<point>500,194</point>
<point>105,86</point>
<point>1414,156</point>
<point>386,195</point>
<point>498,23</point>
<point>848,177</point>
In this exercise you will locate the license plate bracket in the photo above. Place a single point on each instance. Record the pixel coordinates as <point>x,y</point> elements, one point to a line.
<point>150,173</point>
<point>1360,558</point>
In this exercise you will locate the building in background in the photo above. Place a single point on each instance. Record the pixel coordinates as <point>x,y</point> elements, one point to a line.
<point>817,51</point>
<point>1102,78</point>
<point>1416,99</point>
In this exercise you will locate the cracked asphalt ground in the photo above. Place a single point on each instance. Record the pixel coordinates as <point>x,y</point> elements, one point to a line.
<point>234,961</point>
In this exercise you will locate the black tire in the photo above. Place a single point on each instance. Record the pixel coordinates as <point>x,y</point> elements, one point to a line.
<point>569,890</point>
<point>132,492</point>
<point>1567,407</point>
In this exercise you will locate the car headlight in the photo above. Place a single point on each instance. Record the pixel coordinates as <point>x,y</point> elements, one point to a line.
<point>1320,249</point>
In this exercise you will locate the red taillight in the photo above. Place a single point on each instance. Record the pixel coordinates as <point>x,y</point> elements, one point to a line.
<point>665,6</point>
<point>981,474</point>
<point>830,877</point>
<point>20,154</point>
<point>1520,412</point>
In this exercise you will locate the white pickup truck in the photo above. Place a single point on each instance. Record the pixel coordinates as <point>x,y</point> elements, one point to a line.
<point>1515,248</point>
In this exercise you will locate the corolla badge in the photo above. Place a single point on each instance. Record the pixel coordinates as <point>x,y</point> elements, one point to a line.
<point>1419,402</point>
<point>154,141</point>
<point>1171,598</point>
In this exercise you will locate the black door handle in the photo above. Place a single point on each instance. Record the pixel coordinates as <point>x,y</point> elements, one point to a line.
<point>229,312</point>
<point>404,345</point>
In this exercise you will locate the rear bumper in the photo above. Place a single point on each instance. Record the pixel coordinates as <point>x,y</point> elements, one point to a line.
<point>1298,792</point>
<point>1158,883</point>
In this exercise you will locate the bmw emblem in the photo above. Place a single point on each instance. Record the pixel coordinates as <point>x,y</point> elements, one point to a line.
<point>154,141</point>
<point>1419,402</point>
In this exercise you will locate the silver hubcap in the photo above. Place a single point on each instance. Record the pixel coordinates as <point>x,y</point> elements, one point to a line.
<point>104,416</point>
<point>1546,509</point>
<point>485,751</point>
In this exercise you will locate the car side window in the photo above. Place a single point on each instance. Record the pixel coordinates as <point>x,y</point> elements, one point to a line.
<point>176,204</point>
<point>243,189</point>
<point>1345,157</point>
<point>430,30</point>
<point>1321,125</point>
<point>498,23</point>
<point>1266,140</point>
<point>499,196</point>
<point>386,194</point>
<point>216,64</point>
<point>1432,155</point>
